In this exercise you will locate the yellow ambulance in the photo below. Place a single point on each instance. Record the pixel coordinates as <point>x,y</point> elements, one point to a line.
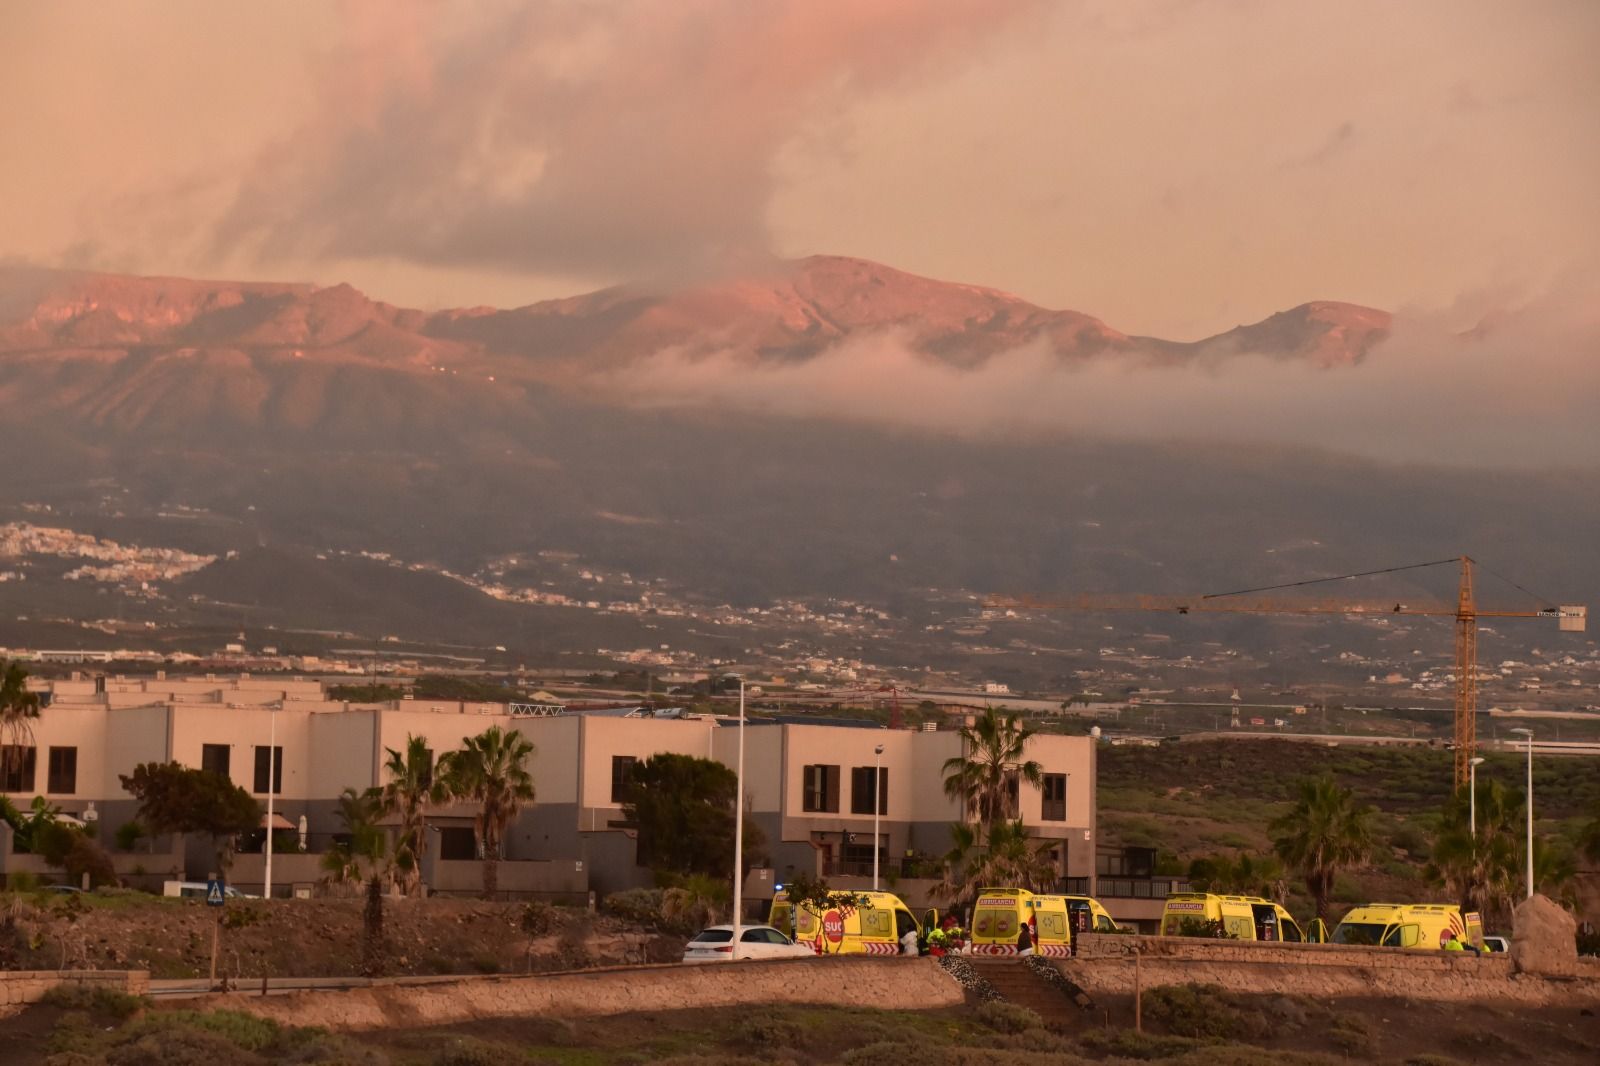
<point>1086,915</point>
<point>1409,925</point>
<point>868,923</point>
<point>1232,917</point>
<point>1000,914</point>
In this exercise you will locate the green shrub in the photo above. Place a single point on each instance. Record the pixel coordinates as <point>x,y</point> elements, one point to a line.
<point>1005,1017</point>
<point>1128,1044</point>
<point>129,834</point>
<point>179,1045</point>
<point>242,1031</point>
<point>1203,1012</point>
<point>639,905</point>
<point>96,999</point>
<point>1352,1034</point>
<point>470,1051</point>
<point>538,919</point>
<point>771,1034</point>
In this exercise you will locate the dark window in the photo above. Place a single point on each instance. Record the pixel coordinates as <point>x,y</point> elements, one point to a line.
<point>214,758</point>
<point>1054,791</point>
<point>861,790</point>
<point>18,765</point>
<point>63,770</point>
<point>821,788</point>
<point>269,760</point>
<point>457,842</point>
<point>621,776</point>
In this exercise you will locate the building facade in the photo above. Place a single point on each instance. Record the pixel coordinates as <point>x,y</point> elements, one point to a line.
<point>808,786</point>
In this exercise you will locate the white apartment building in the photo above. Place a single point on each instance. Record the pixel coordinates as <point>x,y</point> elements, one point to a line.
<point>809,786</point>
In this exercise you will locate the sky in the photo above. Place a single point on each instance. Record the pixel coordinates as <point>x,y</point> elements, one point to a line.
<point>1174,168</point>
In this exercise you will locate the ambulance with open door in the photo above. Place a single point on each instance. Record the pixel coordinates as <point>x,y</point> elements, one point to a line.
<point>870,923</point>
<point>1228,917</point>
<point>1000,914</point>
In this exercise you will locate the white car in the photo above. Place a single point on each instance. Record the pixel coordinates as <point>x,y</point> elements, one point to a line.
<point>715,944</point>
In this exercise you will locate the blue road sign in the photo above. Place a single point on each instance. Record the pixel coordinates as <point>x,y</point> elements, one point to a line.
<point>214,893</point>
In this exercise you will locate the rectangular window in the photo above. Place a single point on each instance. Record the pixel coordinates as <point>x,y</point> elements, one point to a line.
<point>621,776</point>
<point>457,843</point>
<point>1054,793</point>
<point>63,771</point>
<point>269,760</point>
<point>820,785</point>
<point>214,758</point>
<point>861,790</point>
<point>18,766</point>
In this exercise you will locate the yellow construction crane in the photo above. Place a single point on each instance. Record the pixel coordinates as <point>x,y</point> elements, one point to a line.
<point>1572,619</point>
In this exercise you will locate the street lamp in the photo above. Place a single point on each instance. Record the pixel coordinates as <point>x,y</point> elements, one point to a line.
<point>272,773</point>
<point>738,834</point>
<point>877,808</point>
<point>1529,734</point>
<point>1472,789</point>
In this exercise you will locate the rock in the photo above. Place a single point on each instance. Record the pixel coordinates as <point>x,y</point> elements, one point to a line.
<point>1544,939</point>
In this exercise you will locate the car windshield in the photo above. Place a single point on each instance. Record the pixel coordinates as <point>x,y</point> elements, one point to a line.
<point>1363,933</point>
<point>713,936</point>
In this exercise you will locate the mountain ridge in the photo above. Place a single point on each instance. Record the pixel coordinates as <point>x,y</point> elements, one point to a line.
<point>790,312</point>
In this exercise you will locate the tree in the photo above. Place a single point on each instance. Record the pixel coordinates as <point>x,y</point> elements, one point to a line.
<point>990,767</point>
<point>490,771</point>
<point>361,856</point>
<point>1326,831</point>
<point>1009,856</point>
<point>1483,870</point>
<point>412,786</point>
<point>683,809</point>
<point>175,799</point>
<point>18,709</point>
<point>1241,874</point>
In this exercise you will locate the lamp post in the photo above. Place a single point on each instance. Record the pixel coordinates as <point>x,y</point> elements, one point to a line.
<point>877,808</point>
<point>272,773</point>
<point>738,834</point>
<point>1472,790</point>
<point>1529,734</point>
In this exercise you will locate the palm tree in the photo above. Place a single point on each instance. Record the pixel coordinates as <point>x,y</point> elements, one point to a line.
<point>18,709</point>
<point>489,770</point>
<point>1325,832</point>
<point>411,788</point>
<point>362,857</point>
<point>990,766</point>
<point>1010,858</point>
<point>1481,870</point>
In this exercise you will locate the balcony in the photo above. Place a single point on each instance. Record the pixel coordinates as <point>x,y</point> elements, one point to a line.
<point>1140,887</point>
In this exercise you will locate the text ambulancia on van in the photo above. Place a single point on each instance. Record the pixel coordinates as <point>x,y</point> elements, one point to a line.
<point>1409,925</point>
<point>871,923</point>
<point>1000,914</point>
<point>1206,914</point>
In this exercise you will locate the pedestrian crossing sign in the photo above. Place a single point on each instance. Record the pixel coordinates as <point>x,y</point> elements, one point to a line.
<point>214,896</point>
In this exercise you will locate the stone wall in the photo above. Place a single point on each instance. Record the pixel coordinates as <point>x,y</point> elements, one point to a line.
<point>1105,965</point>
<point>899,983</point>
<point>29,986</point>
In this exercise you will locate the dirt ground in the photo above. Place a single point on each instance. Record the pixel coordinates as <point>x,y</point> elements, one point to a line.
<point>1289,1031</point>
<point>171,938</point>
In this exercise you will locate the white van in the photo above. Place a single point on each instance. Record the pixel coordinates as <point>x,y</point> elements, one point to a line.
<point>197,890</point>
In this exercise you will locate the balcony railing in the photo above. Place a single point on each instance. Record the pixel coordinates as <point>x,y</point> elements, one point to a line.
<point>1140,887</point>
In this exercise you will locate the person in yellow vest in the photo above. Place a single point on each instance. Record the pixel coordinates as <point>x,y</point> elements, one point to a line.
<point>1452,944</point>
